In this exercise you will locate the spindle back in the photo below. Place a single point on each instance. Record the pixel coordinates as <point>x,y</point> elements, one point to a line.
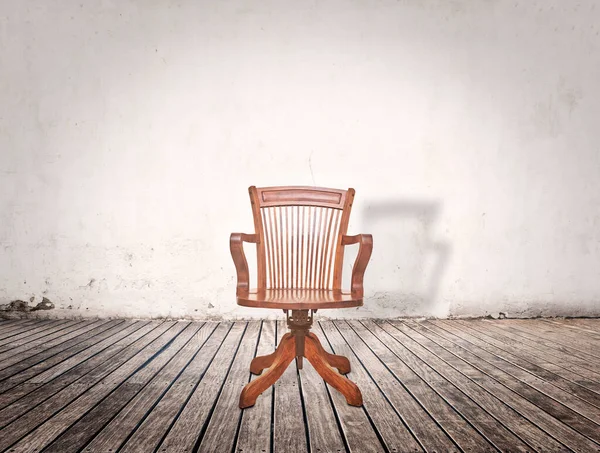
<point>300,233</point>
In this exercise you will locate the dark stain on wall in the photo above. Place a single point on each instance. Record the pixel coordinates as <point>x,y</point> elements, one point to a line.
<point>23,306</point>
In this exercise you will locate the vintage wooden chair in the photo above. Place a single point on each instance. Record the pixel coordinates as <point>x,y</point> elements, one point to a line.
<point>300,234</point>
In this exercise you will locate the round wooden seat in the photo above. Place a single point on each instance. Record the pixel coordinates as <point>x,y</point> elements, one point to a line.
<point>298,299</point>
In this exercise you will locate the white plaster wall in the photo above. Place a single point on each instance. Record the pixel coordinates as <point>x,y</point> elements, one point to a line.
<point>130,130</point>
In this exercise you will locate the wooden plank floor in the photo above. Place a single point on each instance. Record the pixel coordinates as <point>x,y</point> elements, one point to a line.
<point>173,386</point>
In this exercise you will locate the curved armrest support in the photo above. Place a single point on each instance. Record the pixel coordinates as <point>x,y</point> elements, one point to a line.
<point>365,242</point>
<point>236,245</point>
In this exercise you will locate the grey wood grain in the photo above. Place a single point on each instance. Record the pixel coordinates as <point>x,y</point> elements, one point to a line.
<point>26,395</point>
<point>46,421</point>
<point>493,397</point>
<point>323,431</point>
<point>37,330</point>
<point>586,325</point>
<point>557,360</point>
<point>589,349</point>
<point>534,374</point>
<point>155,421</point>
<point>289,433</point>
<point>23,344</point>
<point>370,350</point>
<point>357,429</point>
<point>573,330</point>
<point>397,393</point>
<point>536,391</point>
<point>21,327</point>
<point>23,370</point>
<point>9,324</point>
<point>533,360</point>
<point>141,389</point>
<point>220,435</point>
<point>41,392</point>
<point>553,339</point>
<point>195,414</point>
<point>125,386</point>
<point>19,353</point>
<point>58,369</point>
<point>255,427</point>
<point>43,345</point>
<point>491,428</point>
<point>569,354</point>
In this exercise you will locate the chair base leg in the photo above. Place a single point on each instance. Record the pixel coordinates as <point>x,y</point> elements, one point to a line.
<point>298,344</point>
<point>336,361</point>
<point>314,354</point>
<point>260,363</point>
<point>284,355</point>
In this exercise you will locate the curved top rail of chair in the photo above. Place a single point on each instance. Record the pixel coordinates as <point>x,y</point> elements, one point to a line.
<point>300,196</point>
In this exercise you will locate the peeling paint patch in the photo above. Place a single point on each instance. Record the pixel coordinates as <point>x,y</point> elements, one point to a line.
<point>45,304</point>
<point>23,306</point>
<point>16,305</point>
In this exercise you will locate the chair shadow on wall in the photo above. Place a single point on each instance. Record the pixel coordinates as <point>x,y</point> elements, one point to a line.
<point>408,263</point>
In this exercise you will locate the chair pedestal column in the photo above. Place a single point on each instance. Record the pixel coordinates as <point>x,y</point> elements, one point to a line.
<point>299,322</point>
<point>300,343</point>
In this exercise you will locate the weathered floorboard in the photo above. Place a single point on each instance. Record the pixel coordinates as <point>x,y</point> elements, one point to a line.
<point>17,346</point>
<point>142,423</point>
<point>165,386</point>
<point>496,433</point>
<point>47,420</point>
<point>531,366</point>
<point>36,332</point>
<point>288,412</point>
<point>27,396</point>
<point>195,415</point>
<point>564,353</point>
<point>477,385</point>
<point>589,348</point>
<point>150,381</point>
<point>524,347</point>
<point>221,432</point>
<point>255,427</point>
<point>21,371</point>
<point>543,430</point>
<point>450,421</point>
<point>46,344</point>
<point>23,329</point>
<point>398,394</point>
<point>323,431</point>
<point>355,422</point>
<point>535,390</point>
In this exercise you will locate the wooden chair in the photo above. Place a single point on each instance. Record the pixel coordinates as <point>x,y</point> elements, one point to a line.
<point>300,235</point>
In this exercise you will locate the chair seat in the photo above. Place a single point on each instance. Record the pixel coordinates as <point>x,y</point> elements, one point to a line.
<point>298,299</point>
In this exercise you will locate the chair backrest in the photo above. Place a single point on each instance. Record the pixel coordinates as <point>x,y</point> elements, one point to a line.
<point>300,233</point>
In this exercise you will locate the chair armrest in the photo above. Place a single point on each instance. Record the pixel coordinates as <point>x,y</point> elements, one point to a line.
<point>236,245</point>
<point>365,248</point>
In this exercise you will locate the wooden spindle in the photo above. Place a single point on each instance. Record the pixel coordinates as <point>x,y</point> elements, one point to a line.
<point>323,283</point>
<point>281,270</point>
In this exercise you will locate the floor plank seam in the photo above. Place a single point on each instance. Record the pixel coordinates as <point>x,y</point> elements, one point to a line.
<point>471,398</point>
<point>71,402</point>
<point>400,382</point>
<point>159,398</point>
<point>166,433</point>
<point>61,374</point>
<point>206,422</point>
<point>522,415</point>
<point>432,385</point>
<point>443,398</point>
